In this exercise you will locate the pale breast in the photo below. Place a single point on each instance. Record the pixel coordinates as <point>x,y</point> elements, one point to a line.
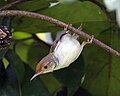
<point>67,50</point>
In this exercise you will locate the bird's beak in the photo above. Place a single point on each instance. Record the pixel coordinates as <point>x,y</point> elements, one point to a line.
<point>35,76</point>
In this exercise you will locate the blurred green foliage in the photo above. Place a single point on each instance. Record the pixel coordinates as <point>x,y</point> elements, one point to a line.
<point>101,69</point>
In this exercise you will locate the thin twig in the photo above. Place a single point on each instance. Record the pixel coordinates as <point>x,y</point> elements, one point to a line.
<point>11,4</point>
<point>59,23</point>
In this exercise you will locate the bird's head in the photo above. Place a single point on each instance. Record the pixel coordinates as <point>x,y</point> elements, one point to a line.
<point>46,65</point>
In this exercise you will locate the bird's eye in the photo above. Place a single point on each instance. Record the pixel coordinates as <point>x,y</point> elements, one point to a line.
<point>45,67</point>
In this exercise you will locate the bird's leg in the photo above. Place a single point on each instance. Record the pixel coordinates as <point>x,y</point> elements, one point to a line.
<point>89,41</point>
<point>66,28</point>
<point>80,27</point>
<point>76,35</point>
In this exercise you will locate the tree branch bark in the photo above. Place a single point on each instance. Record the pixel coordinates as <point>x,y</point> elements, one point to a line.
<point>61,24</point>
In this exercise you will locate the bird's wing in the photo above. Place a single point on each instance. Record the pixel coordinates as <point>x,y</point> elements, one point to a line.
<point>58,38</point>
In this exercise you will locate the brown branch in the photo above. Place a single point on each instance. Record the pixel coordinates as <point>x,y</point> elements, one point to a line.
<point>11,4</point>
<point>101,6</point>
<point>59,23</point>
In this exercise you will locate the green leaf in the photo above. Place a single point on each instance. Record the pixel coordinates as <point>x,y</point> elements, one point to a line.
<point>47,79</point>
<point>2,52</point>
<point>36,52</point>
<point>2,72</point>
<point>62,91</point>
<point>17,64</point>
<point>2,2</point>
<point>82,92</point>
<point>102,68</point>
<point>35,87</point>
<point>21,35</point>
<point>35,5</point>
<point>71,77</point>
<point>79,13</point>
<point>8,81</point>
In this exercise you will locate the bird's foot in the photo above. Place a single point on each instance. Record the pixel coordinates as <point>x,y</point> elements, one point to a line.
<point>66,28</point>
<point>89,41</point>
<point>80,27</point>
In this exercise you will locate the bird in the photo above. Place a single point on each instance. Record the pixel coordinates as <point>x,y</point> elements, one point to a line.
<point>65,50</point>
